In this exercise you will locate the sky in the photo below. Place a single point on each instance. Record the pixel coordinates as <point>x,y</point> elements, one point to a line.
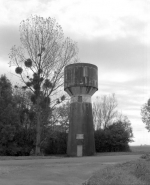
<point>112,34</point>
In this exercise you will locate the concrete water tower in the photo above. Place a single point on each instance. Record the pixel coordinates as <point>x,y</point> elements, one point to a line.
<point>81,82</point>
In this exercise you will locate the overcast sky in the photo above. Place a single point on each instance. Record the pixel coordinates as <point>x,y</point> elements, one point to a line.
<point>112,34</point>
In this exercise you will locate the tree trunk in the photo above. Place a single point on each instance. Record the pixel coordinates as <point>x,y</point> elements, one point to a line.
<point>38,133</point>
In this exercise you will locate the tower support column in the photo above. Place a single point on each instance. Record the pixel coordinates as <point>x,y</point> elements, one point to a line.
<point>81,130</point>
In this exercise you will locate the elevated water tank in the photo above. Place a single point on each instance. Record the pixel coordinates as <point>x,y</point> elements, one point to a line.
<point>81,82</point>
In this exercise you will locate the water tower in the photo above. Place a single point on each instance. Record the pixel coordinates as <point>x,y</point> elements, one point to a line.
<point>81,82</point>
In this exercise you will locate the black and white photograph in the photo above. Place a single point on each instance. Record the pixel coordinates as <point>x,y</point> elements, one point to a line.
<point>74,92</point>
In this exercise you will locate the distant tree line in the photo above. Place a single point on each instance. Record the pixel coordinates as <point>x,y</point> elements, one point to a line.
<point>18,126</point>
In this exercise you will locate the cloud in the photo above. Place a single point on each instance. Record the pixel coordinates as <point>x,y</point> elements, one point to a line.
<point>122,65</point>
<point>14,11</point>
<point>125,54</point>
<point>85,18</point>
<point>45,1</point>
<point>107,19</point>
<point>9,36</point>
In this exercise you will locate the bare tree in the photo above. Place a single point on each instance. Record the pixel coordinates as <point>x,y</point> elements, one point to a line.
<point>40,61</point>
<point>104,111</point>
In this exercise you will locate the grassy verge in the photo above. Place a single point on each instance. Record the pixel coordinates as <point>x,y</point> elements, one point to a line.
<point>29,157</point>
<point>130,173</point>
<point>118,153</point>
<point>62,156</point>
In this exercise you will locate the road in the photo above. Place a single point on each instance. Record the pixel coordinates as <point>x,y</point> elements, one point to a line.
<point>58,171</point>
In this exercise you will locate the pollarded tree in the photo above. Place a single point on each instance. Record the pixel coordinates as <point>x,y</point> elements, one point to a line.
<point>40,62</point>
<point>145,113</point>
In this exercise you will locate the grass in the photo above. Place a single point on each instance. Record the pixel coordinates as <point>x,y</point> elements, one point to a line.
<point>30,157</point>
<point>130,173</point>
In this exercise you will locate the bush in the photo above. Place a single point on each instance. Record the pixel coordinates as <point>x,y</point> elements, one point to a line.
<point>20,144</point>
<point>56,143</point>
<point>113,139</point>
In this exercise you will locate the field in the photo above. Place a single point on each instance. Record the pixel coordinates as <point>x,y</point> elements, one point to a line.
<point>140,149</point>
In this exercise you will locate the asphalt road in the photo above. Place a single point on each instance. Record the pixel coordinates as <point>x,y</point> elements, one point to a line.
<point>59,171</point>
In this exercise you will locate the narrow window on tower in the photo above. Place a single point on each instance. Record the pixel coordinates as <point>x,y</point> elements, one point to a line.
<point>79,98</point>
